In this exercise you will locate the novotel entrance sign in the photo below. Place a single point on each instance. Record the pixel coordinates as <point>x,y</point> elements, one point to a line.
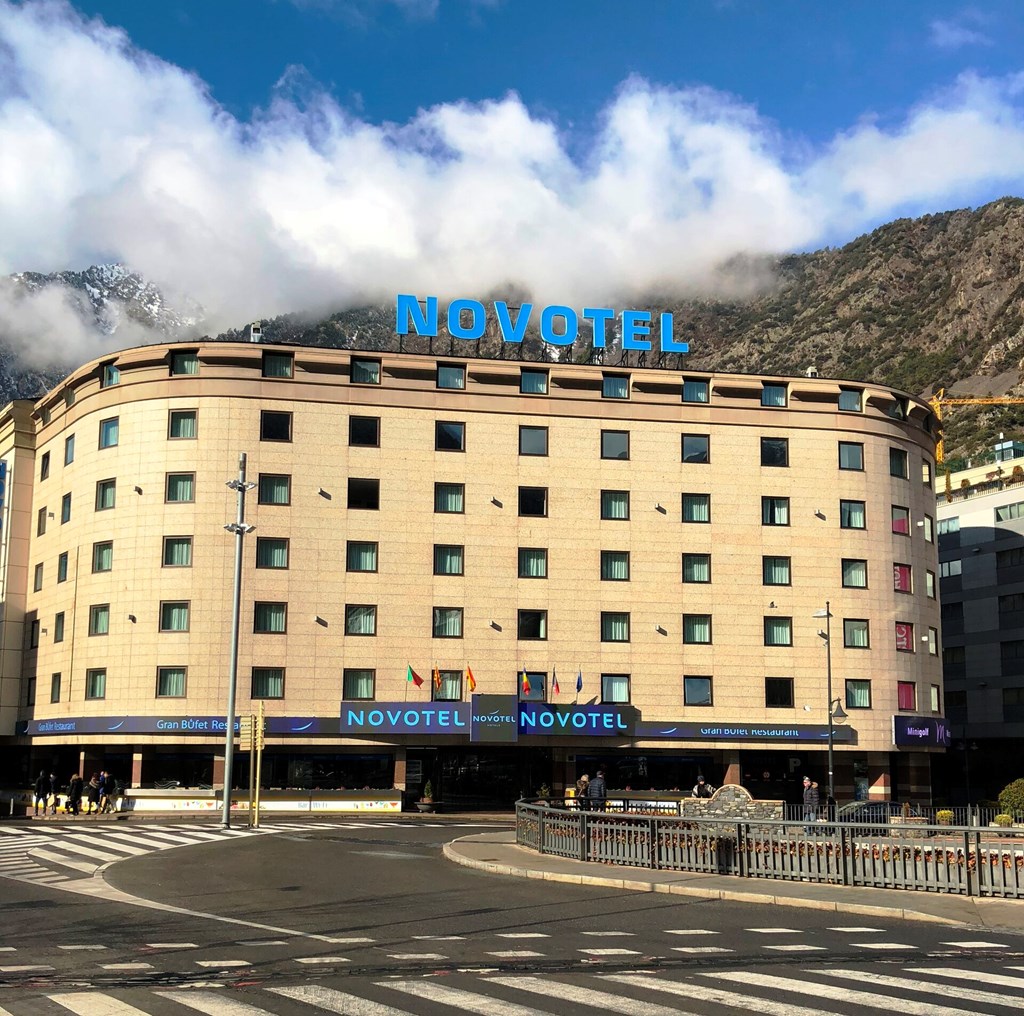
<point>559,325</point>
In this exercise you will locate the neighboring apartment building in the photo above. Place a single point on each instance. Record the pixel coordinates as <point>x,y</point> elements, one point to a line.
<point>981,561</point>
<point>659,540</point>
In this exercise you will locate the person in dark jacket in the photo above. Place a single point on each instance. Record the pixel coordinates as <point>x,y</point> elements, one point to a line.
<point>54,793</point>
<point>92,793</point>
<point>42,790</point>
<point>811,801</point>
<point>597,792</point>
<point>75,794</point>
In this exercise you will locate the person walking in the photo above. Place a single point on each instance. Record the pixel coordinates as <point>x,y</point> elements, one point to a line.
<point>92,794</point>
<point>42,790</point>
<point>811,801</point>
<point>597,792</point>
<point>582,786</point>
<point>106,786</point>
<point>75,794</point>
<point>54,793</point>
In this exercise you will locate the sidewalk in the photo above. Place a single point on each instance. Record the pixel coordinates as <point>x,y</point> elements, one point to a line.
<point>498,853</point>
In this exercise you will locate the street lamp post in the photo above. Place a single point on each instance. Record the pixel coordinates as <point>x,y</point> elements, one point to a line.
<point>836,714</point>
<point>239,527</point>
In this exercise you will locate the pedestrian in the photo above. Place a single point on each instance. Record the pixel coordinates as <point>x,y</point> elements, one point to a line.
<point>74,794</point>
<point>92,793</point>
<point>42,790</point>
<point>106,786</point>
<point>702,789</point>
<point>54,793</point>
<point>597,792</point>
<point>811,801</point>
<point>582,786</point>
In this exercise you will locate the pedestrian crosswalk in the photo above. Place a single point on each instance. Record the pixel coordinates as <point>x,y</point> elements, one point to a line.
<point>817,991</point>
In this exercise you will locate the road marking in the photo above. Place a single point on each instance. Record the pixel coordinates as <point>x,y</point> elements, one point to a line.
<point>262,941</point>
<point>63,860</point>
<point>512,954</point>
<point>23,969</point>
<point>689,931</point>
<point>611,934</point>
<point>223,963</point>
<point>970,975</point>
<point>126,966</point>
<point>842,993</point>
<point>334,1001</point>
<point>696,949</point>
<point>688,989</point>
<point>212,1005</point>
<point>857,931</point>
<point>910,984</point>
<point>610,952</point>
<point>439,938</point>
<point>975,945</point>
<point>883,946</point>
<point>321,959</point>
<point>337,941</point>
<point>8,948</point>
<point>797,947</point>
<point>416,956</point>
<point>124,848</point>
<point>94,1003</point>
<point>775,931</point>
<point>456,998</point>
<point>171,945</point>
<point>521,934</point>
<point>69,948</point>
<point>597,1000</point>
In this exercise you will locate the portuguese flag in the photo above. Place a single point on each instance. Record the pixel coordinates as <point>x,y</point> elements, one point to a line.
<point>413,678</point>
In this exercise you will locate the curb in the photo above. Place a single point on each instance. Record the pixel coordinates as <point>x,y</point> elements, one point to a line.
<point>727,895</point>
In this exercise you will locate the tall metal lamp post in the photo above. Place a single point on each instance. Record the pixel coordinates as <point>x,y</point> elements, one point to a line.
<point>239,527</point>
<point>836,713</point>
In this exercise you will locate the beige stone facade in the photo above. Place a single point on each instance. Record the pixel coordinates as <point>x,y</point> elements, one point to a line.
<point>155,433</point>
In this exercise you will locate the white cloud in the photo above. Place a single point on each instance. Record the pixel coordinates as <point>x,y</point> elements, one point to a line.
<point>957,33</point>
<point>107,152</point>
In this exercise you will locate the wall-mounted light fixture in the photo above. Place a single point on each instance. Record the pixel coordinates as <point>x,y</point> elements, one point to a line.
<point>818,513</point>
<point>661,508</point>
<point>138,489</point>
<point>496,503</point>
<point>324,494</point>
<point>132,618</point>
<point>661,631</point>
<point>496,626</point>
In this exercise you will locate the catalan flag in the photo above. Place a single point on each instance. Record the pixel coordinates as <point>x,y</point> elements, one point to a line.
<point>437,679</point>
<point>554,681</point>
<point>526,683</point>
<point>412,677</point>
<point>470,679</point>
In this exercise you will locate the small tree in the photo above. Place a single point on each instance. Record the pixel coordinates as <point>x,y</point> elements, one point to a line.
<point>428,791</point>
<point>1011,798</point>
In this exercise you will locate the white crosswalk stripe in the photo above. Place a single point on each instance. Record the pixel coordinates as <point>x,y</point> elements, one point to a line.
<point>330,1000</point>
<point>912,984</point>
<point>599,1000</point>
<point>971,975</point>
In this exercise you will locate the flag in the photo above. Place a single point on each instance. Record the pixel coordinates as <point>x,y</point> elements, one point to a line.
<point>437,679</point>
<point>579,681</point>
<point>526,684</point>
<point>470,679</point>
<point>413,678</point>
<point>554,681</point>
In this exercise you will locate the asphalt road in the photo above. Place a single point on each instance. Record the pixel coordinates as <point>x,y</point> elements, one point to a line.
<point>365,910</point>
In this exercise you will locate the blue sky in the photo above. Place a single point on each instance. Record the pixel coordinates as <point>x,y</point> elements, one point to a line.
<point>273,155</point>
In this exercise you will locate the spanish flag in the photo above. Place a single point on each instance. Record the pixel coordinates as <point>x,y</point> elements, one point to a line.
<point>470,679</point>
<point>526,684</point>
<point>554,681</point>
<point>437,679</point>
<point>412,677</point>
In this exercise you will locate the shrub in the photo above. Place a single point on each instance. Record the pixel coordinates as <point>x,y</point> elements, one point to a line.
<point>1011,798</point>
<point>428,791</point>
<point>944,817</point>
<point>1004,820</point>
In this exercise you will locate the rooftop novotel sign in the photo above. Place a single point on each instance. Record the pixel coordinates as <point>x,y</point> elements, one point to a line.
<point>559,325</point>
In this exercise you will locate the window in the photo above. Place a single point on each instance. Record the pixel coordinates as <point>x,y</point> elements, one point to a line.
<point>855,573</point>
<point>615,386</point>
<point>774,451</point>
<point>696,448</point>
<point>275,426</point>
<point>898,463</point>
<point>274,488</point>
<point>935,699</point>
<point>615,565</point>
<point>615,689</point>
<point>360,619</point>
<point>37,581</point>
<point>447,623</point>
<point>775,571</point>
<point>62,567</point>
<point>933,642</point>
<point>41,521</point>
<point>533,382</point>
<point>182,425</point>
<point>185,363</point>
<point>774,511</point>
<point>170,682</point>
<point>449,436</point>
<point>695,390</point>
<point>106,494</point>
<point>69,449</point>
<point>533,440</point>
<point>897,409</point>
<point>614,444</point>
<point>103,556</point>
<point>901,578</point>
<point>448,559</point>
<point>278,364</point>
<point>533,624</point>
<point>450,498</point>
<point>534,689</point>
<point>533,563</point>
<point>851,515</point>
<point>697,629</point>
<point>900,520</point>
<point>778,631</point>
<point>1013,704</point>
<point>174,615</point>
<point>856,633</point>
<point>109,375</point>
<point>267,683</point>
<point>850,400</point>
<point>109,432</point>
<point>929,584</point>
<point>33,643</point>
<point>906,695</point>
<point>905,637</point>
<point>364,431</point>
<point>1011,656</point>
<point>1009,512</point>
<point>615,504</point>
<point>696,567</point>
<point>44,466</point>
<point>58,626</point>
<point>180,487</point>
<point>778,692</point>
<point>858,694</point>
<point>851,455</point>
<point>361,556</point>
<point>1009,603</point>
<point>65,509</point>
<point>270,618</point>
<point>929,529</point>
<point>926,473</point>
<point>696,507</point>
<point>55,687</point>
<point>271,552</point>
<point>954,656</point>
<point>447,687</point>
<point>773,394</point>
<point>363,495</point>
<point>950,569</point>
<point>365,372</point>
<point>614,626</point>
<point>697,691</point>
<point>99,619</point>
<point>95,684</point>
<point>451,375</point>
<point>533,502</point>
<point>177,552</point>
<point>949,525</point>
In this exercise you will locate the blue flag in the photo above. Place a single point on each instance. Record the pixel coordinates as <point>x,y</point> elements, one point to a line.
<point>579,681</point>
